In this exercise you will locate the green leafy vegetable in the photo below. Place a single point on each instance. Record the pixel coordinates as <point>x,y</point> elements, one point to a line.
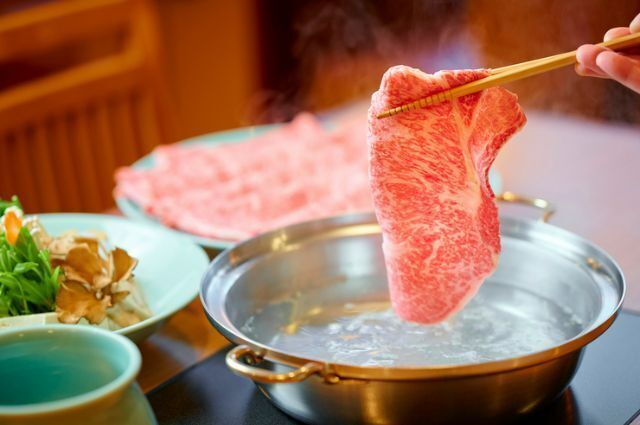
<point>14,202</point>
<point>27,283</point>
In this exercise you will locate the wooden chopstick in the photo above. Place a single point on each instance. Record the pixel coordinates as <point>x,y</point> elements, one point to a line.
<point>510,73</point>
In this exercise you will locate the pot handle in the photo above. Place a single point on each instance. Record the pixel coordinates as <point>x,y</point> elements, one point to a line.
<point>547,208</point>
<point>236,361</point>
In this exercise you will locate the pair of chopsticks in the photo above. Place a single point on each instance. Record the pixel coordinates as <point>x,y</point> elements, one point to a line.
<point>510,73</point>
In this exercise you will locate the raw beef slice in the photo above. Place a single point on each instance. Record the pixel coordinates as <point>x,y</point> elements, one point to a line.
<point>428,175</point>
<point>296,172</point>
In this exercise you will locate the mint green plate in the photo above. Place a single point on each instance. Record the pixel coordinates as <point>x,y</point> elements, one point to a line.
<point>132,210</point>
<point>169,269</point>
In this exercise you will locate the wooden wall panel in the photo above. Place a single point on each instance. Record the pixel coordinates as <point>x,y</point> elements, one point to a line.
<point>212,56</point>
<point>64,132</point>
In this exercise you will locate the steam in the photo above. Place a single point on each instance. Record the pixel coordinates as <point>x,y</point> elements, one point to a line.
<point>342,48</point>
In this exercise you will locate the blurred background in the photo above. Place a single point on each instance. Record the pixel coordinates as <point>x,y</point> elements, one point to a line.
<point>87,86</point>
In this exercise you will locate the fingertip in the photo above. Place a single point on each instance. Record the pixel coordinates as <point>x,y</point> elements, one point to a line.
<point>621,68</point>
<point>615,65</point>
<point>616,32</point>
<point>634,26</point>
<point>587,54</point>
<point>583,52</point>
<point>605,59</point>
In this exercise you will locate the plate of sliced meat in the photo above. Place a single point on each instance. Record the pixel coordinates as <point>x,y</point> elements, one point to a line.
<point>224,187</point>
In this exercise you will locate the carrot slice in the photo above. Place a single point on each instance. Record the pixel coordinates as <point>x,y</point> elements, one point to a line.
<point>12,225</point>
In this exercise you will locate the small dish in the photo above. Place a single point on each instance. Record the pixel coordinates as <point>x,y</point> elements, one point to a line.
<point>60,374</point>
<point>169,270</point>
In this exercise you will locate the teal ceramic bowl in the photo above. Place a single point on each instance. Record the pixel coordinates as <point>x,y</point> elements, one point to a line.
<point>60,374</point>
<point>169,269</point>
<point>132,210</point>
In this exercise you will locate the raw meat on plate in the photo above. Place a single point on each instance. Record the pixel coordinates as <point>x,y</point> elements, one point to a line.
<point>297,172</point>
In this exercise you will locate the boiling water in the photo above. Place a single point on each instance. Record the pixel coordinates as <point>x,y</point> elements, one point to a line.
<point>499,323</point>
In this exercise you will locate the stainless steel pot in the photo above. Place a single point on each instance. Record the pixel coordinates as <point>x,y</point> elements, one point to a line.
<point>295,281</point>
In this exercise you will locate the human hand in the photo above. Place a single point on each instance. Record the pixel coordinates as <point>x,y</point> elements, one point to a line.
<point>595,61</point>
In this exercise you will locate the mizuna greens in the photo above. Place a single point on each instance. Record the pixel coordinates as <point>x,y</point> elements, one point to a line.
<point>27,283</point>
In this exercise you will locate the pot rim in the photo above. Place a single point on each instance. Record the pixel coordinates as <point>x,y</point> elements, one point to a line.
<point>219,319</point>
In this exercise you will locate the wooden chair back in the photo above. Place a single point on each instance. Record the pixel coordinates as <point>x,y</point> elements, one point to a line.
<point>63,133</point>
